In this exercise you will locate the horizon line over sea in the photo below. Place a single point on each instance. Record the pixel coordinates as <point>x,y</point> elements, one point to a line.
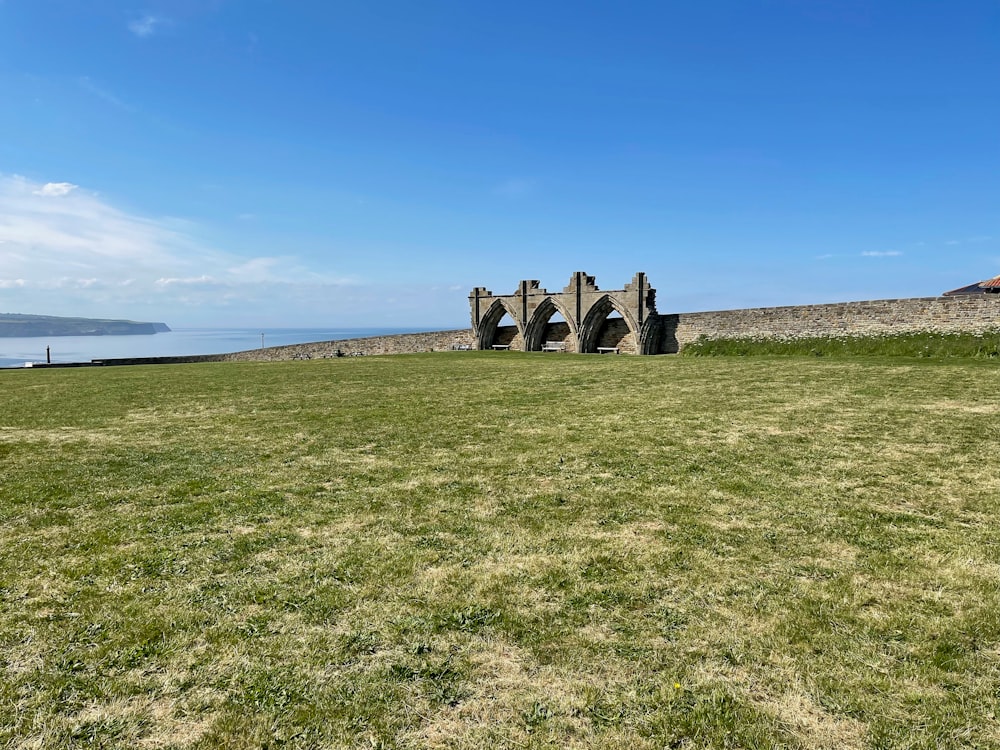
<point>178,342</point>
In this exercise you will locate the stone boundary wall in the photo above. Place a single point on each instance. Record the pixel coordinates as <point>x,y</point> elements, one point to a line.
<point>399,343</point>
<point>964,314</point>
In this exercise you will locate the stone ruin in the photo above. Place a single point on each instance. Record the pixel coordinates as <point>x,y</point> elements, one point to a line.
<point>591,322</point>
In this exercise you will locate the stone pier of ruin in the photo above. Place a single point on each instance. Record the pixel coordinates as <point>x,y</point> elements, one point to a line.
<point>593,320</point>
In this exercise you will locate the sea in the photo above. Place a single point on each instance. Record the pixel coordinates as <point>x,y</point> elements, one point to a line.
<point>18,352</point>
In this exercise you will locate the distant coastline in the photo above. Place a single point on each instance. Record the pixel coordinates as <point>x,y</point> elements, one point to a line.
<point>18,325</point>
<point>179,342</point>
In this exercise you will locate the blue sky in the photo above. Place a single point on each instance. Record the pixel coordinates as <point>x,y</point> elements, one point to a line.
<point>299,163</point>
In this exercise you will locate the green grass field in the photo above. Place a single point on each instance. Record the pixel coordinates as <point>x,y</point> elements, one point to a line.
<point>502,550</point>
<point>917,344</point>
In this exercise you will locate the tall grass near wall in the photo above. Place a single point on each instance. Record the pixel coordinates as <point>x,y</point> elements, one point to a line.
<point>923,344</point>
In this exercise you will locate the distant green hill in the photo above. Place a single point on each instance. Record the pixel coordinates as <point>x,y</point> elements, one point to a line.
<point>15,324</point>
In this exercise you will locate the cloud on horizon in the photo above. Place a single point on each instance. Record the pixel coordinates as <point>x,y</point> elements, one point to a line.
<point>61,244</point>
<point>881,253</point>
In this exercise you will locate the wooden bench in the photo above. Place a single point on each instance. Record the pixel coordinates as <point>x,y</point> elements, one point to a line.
<point>461,347</point>
<point>607,349</point>
<point>554,346</point>
<point>501,346</point>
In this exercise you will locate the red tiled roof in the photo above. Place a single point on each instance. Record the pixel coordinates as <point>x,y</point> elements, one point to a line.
<point>980,287</point>
<point>993,283</point>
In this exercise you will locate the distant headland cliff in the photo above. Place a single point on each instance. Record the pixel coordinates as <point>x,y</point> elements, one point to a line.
<point>16,324</point>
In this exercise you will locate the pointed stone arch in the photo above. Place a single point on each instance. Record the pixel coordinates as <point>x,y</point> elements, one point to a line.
<point>534,331</point>
<point>487,330</point>
<point>590,328</point>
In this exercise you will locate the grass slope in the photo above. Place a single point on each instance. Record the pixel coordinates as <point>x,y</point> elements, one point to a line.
<point>505,550</point>
<point>919,344</point>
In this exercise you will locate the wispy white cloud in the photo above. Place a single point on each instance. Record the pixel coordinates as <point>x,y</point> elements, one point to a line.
<point>102,93</point>
<point>146,25</point>
<point>56,224</point>
<point>55,189</point>
<point>881,253</point>
<point>57,236</point>
<point>199,280</point>
<point>970,240</point>
<point>256,269</point>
